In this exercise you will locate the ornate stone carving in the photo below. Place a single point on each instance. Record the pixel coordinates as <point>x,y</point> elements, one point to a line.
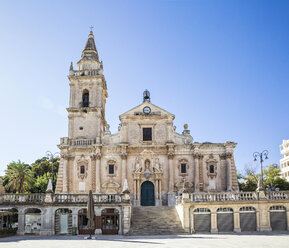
<point>184,186</point>
<point>82,162</point>
<point>211,163</point>
<point>111,187</point>
<point>180,162</point>
<point>197,155</point>
<point>229,155</point>
<point>171,151</point>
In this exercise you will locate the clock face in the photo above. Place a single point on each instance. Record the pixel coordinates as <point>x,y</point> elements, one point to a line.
<point>146,110</point>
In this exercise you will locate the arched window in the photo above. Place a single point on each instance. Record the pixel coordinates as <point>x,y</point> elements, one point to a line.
<point>85,99</point>
<point>212,169</point>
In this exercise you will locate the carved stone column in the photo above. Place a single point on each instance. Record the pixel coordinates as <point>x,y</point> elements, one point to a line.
<point>123,155</point>
<point>97,158</point>
<point>228,166</point>
<point>171,176</point>
<point>171,173</point>
<point>138,192</point>
<point>197,171</point>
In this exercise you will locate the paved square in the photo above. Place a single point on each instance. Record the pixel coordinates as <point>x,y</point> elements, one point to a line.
<point>197,240</point>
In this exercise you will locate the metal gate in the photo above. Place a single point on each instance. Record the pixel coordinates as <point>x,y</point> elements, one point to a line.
<point>225,219</point>
<point>202,220</point>
<point>248,221</point>
<point>278,218</point>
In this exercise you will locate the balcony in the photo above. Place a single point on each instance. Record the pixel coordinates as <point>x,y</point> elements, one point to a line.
<point>77,142</point>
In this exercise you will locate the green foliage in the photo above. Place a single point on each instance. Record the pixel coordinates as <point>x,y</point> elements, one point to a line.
<point>271,178</point>
<point>18,178</point>
<point>42,172</point>
<point>24,178</point>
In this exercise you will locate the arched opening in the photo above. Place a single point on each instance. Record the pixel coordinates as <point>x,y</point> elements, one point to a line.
<point>8,220</point>
<point>85,98</point>
<point>248,222</point>
<point>147,194</point>
<point>225,219</point>
<point>202,220</point>
<point>33,220</point>
<point>63,221</point>
<point>278,218</point>
<point>109,221</point>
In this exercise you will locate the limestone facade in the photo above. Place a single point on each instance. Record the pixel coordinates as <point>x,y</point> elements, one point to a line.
<point>284,162</point>
<point>146,147</point>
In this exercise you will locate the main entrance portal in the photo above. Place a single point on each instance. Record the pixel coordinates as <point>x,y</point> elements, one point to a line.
<point>147,194</point>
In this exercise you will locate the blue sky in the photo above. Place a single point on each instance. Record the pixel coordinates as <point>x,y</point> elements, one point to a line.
<point>220,66</point>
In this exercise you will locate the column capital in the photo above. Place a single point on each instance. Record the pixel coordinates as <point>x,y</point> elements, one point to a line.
<point>96,156</point>
<point>197,155</point>
<point>123,155</point>
<point>171,155</point>
<point>229,155</point>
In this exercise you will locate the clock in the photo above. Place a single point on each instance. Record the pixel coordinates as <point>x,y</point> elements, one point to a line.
<point>146,110</point>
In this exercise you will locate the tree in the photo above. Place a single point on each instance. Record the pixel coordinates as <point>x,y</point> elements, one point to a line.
<point>24,178</point>
<point>41,169</point>
<point>271,180</point>
<point>249,181</point>
<point>18,178</point>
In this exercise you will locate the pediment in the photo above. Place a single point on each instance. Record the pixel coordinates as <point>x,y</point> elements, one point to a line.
<point>138,112</point>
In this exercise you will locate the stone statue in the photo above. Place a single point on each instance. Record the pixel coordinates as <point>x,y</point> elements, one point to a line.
<point>157,166</point>
<point>137,165</point>
<point>147,164</point>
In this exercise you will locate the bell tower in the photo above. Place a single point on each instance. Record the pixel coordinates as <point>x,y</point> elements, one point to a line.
<point>88,93</point>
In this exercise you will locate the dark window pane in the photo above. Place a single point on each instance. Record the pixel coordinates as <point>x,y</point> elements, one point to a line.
<point>212,169</point>
<point>111,169</point>
<point>82,169</point>
<point>85,100</point>
<point>183,168</point>
<point>147,133</point>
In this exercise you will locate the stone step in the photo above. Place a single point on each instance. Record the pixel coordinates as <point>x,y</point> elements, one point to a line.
<point>156,220</point>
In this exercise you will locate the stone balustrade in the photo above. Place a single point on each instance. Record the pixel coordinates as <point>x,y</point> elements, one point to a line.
<point>277,195</point>
<point>232,196</point>
<point>36,198</point>
<point>77,142</point>
<point>21,198</point>
<point>82,198</point>
<point>80,73</point>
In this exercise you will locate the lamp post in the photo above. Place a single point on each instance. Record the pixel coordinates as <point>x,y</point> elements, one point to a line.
<point>51,156</point>
<point>260,156</point>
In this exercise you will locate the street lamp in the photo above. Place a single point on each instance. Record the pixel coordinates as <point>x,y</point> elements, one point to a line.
<point>260,156</point>
<point>51,156</point>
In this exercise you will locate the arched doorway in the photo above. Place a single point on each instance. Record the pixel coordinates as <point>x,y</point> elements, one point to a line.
<point>110,221</point>
<point>147,194</point>
<point>63,221</point>
<point>32,220</point>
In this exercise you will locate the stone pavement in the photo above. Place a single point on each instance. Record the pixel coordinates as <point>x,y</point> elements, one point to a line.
<point>262,240</point>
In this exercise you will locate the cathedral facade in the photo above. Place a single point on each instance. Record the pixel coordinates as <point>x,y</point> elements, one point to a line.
<point>146,158</point>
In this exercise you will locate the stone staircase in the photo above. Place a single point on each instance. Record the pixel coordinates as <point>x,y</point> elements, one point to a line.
<point>156,220</point>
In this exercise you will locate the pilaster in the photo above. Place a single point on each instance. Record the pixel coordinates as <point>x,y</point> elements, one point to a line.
<point>214,227</point>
